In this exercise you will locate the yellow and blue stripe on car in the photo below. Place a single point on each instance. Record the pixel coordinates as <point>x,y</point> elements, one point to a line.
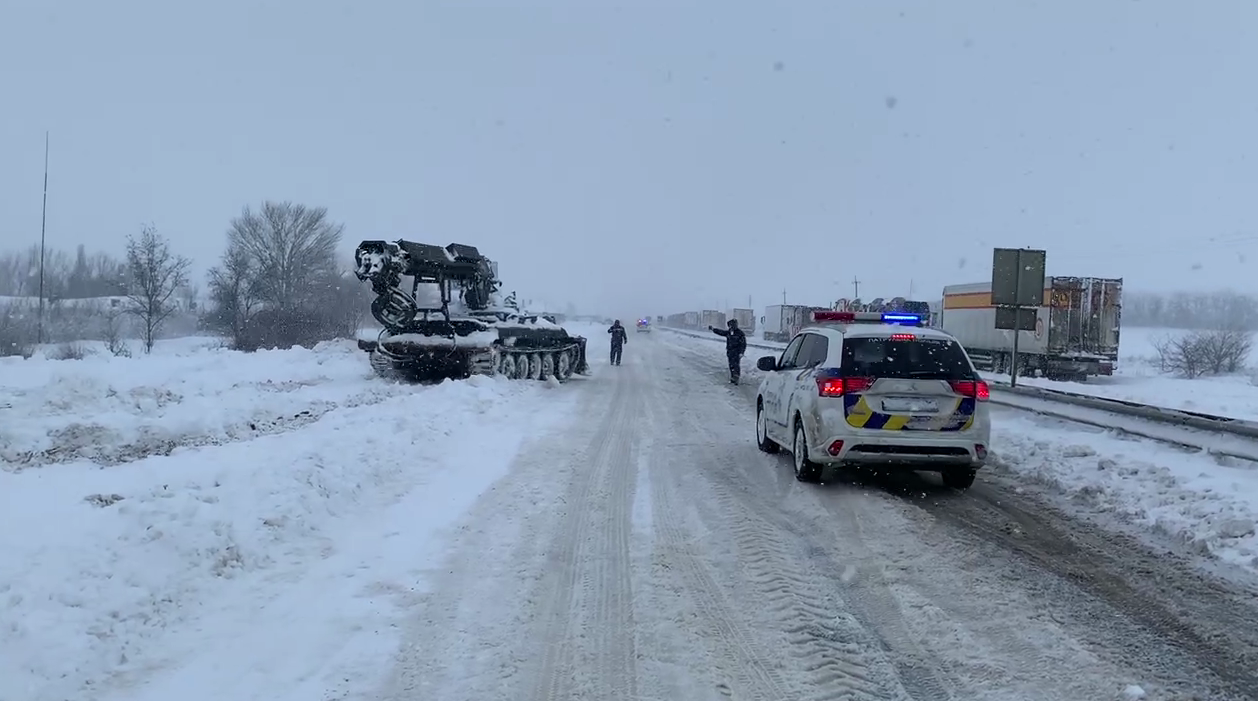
<point>860,415</point>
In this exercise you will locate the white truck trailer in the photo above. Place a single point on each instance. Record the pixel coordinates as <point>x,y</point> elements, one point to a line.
<point>1076,328</point>
<point>746,319</point>
<point>783,321</point>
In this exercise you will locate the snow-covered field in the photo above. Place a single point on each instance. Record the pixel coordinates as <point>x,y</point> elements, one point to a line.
<point>1138,380</point>
<point>153,509</point>
<point>1209,504</point>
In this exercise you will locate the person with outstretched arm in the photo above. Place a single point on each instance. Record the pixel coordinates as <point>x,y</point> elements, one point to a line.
<point>619,337</point>
<point>735,346</point>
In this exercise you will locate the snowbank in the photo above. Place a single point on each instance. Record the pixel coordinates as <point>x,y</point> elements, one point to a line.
<point>1210,505</point>
<point>112,410</point>
<point>269,567</point>
<point>1138,380</point>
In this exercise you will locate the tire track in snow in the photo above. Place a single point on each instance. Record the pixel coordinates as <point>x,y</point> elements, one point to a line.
<point>588,622</point>
<point>836,656</point>
<point>820,632</point>
<point>1140,637</point>
<point>1216,636</point>
<point>750,671</point>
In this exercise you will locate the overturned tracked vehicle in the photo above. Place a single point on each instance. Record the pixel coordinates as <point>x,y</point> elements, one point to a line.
<point>451,323</point>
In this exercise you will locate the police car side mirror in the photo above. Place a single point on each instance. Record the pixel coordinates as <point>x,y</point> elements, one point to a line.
<point>767,363</point>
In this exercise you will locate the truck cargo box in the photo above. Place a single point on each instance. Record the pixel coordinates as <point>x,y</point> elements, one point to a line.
<point>1076,328</point>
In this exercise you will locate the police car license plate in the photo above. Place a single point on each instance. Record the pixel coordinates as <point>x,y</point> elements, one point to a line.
<point>910,406</point>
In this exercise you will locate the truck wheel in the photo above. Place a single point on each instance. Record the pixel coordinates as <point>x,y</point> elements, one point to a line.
<point>763,442</point>
<point>959,478</point>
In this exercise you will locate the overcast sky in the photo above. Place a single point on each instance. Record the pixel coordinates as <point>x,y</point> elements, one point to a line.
<point>656,156</point>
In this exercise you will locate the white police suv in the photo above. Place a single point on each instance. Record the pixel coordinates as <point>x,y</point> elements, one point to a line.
<point>874,387</point>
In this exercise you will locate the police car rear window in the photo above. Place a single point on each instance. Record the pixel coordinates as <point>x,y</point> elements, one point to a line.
<point>923,359</point>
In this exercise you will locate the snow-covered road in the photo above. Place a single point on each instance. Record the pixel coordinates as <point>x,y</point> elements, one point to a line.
<point>618,537</point>
<point>650,552</point>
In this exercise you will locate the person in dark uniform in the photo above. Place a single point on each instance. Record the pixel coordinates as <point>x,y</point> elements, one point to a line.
<point>619,336</point>
<point>735,346</point>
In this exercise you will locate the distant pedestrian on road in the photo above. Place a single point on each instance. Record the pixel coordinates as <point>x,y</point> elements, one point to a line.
<point>735,346</point>
<point>619,337</point>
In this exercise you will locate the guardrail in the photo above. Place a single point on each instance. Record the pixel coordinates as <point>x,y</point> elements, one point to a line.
<point>1148,412</point>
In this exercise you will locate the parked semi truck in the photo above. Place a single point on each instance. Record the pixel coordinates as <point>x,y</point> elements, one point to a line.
<point>1076,328</point>
<point>711,317</point>
<point>746,319</point>
<point>783,321</point>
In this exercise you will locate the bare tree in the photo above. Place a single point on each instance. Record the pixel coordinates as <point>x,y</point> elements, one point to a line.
<point>154,275</point>
<point>291,246</point>
<point>279,284</point>
<point>235,295</point>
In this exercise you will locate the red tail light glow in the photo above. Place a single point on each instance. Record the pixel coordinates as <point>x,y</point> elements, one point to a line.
<point>837,387</point>
<point>976,389</point>
<point>902,337</point>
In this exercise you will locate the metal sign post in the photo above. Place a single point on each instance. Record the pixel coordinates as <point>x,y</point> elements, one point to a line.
<point>1017,294</point>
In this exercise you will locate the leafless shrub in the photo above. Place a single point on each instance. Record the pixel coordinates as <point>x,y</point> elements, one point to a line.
<point>112,333</point>
<point>70,351</point>
<point>1204,352</point>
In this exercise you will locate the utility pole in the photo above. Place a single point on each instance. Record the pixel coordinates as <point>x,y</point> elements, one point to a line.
<point>783,295</point>
<point>43,236</point>
<point>856,288</point>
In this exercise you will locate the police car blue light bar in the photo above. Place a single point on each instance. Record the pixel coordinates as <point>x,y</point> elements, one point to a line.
<point>900,318</point>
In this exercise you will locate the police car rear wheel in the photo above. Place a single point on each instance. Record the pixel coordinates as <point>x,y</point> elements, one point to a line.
<point>805,470</point>
<point>763,441</point>
<point>959,479</point>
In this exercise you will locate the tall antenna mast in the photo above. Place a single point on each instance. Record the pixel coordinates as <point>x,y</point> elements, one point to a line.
<point>43,237</point>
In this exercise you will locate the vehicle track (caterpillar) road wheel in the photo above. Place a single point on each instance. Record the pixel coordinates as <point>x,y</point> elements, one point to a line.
<point>563,365</point>
<point>506,365</point>
<point>382,365</point>
<point>548,366</point>
<point>521,366</point>
<point>535,366</point>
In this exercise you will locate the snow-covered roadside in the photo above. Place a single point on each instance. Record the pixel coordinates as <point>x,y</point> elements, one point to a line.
<point>1207,504</point>
<point>113,410</point>
<point>267,568</point>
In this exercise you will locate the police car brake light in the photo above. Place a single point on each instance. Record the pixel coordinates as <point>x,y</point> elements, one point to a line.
<point>830,386</point>
<point>902,337</point>
<point>975,389</point>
